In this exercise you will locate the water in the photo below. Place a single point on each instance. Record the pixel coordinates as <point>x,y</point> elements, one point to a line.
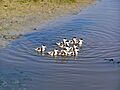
<point>96,67</point>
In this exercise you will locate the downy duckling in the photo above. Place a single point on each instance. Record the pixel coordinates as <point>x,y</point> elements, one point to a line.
<point>80,42</point>
<point>75,46</point>
<point>54,52</point>
<point>51,53</point>
<point>67,43</point>
<point>75,41</point>
<point>64,41</point>
<point>60,44</point>
<point>41,49</point>
<point>63,52</point>
<point>76,52</point>
<point>67,49</point>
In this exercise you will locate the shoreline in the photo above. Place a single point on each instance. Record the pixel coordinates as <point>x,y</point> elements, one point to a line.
<point>17,21</point>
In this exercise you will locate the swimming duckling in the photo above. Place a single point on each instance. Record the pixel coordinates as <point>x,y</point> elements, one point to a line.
<point>63,52</point>
<point>75,46</point>
<point>53,53</point>
<point>80,42</point>
<point>76,52</point>
<point>75,40</point>
<point>67,43</point>
<point>60,45</point>
<point>67,49</point>
<point>41,49</point>
<point>64,41</point>
<point>71,42</point>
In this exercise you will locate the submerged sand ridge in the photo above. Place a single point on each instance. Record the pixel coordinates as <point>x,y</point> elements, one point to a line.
<point>18,18</point>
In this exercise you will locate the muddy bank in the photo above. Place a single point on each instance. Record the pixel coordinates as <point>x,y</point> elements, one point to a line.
<point>19,18</point>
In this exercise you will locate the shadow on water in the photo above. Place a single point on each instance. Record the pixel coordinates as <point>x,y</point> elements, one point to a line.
<point>97,67</point>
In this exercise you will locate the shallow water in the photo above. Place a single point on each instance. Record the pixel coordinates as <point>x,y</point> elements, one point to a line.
<point>96,67</point>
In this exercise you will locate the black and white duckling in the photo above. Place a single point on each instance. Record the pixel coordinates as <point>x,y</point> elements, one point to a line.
<point>60,44</point>
<point>75,41</point>
<point>67,43</point>
<point>63,52</point>
<point>41,49</point>
<point>75,53</point>
<point>80,42</point>
<point>64,41</point>
<point>67,48</point>
<point>55,52</point>
<point>75,46</point>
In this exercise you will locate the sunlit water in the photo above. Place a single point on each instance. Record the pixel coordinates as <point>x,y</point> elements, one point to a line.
<point>96,67</point>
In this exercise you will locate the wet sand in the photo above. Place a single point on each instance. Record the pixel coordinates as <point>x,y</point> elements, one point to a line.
<point>17,19</point>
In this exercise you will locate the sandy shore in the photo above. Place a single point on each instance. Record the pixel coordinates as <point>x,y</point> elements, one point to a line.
<point>17,19</point>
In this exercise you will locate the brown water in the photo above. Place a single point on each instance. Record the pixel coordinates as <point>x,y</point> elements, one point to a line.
<point>97,67</point>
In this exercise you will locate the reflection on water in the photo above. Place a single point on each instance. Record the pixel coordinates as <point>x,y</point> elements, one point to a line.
<point>97,67</point>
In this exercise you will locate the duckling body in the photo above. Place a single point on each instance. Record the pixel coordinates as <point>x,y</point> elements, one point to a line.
<point>64,41</point>
<point>80,42</point>
<point>60,44</point>
<point>76,52</point>
<point>63,52</point>
<point>53,53</point>
<point>41,49</point>
<point>75,41</point>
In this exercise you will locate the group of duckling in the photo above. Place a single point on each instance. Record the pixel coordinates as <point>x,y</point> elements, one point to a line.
<point>66,47</point>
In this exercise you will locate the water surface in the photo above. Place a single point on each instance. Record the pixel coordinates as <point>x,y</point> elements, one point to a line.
<point>96,67</point>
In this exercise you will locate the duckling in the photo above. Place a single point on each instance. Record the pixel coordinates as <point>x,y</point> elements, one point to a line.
<point>53,53</point>
<point>67,49</point>
<point>75,46</point>
<point>60,44</point>
<point>71,42</point>
<point>75,40</point>
<point>70,53</point>
<point>67,43</point>
<point>76,52</point>
<point>64,41</point>
<point>41,49</point>
<point>63,52</point>
<point>80,42</point>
